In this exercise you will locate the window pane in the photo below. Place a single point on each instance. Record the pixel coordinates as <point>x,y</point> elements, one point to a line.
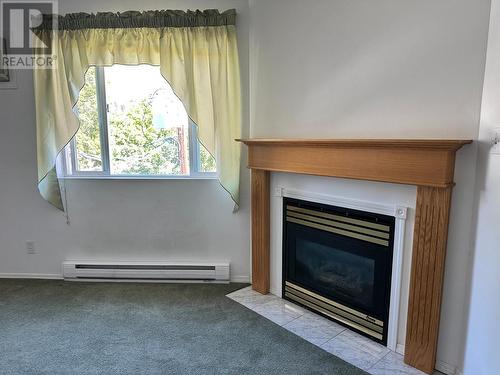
<point>207,161</point>
<point>88,139</point>
<point>147,123</point>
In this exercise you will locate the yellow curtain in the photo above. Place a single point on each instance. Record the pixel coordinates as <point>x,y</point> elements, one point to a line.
<point>200,63</point>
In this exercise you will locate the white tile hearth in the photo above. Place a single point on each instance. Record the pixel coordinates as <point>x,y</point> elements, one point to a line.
<point>314,328</point>
<point>279,311</point>
<point>358,350</point>
<point>250,298</point>
<point>391,364</point>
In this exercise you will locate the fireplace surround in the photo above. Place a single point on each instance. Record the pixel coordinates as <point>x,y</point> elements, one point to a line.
<point>338,262</point>
<point>427,164</point>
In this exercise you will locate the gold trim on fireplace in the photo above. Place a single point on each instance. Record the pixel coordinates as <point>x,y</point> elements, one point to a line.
<point>335,310</point>
<point>333,223</point>
<point>349,220</point>
<point>333,303</point>
<point>338,231</point>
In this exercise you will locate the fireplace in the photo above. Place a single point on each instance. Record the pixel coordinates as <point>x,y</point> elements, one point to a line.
<point>425,163</point>
<point>338,262</point>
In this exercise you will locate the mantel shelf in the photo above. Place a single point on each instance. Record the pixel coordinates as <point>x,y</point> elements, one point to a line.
<point>437,144</point>
<point>427,163</point>
<point>421,162</point>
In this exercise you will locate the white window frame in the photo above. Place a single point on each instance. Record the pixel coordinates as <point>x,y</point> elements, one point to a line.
<point>69,159</point>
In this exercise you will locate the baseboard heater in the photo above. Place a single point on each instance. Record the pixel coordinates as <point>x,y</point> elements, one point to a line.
<point>140,271</point>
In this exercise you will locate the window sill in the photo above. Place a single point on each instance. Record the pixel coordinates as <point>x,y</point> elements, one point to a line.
<point>94,177</point>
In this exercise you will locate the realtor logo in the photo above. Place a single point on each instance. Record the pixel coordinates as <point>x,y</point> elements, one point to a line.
<point>22,47</point>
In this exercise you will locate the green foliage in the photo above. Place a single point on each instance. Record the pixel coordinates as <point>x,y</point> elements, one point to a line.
<point>207,161</point>
<point>136,146</point>
<point>88,137</point>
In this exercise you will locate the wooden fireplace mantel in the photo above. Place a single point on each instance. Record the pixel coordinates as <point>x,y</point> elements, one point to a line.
<point>428,164</point>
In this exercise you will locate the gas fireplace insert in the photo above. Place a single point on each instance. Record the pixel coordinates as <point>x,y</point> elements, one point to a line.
<point>338,262</point>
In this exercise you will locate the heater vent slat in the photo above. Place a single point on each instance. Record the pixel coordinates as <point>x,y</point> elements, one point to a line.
<point>139,267</point>
<point>156,271</point>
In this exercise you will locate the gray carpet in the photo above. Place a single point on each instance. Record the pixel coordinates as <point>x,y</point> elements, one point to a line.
<point>56,327</point>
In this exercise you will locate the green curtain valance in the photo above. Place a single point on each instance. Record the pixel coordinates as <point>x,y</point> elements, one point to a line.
<point>134,19</point>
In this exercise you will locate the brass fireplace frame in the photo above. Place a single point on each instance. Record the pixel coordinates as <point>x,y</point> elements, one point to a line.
<point>364,230</point>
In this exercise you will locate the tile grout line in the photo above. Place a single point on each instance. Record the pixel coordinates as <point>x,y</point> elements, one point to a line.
<point>303,337</point>
<point>293,320</point>
<point>284,324</point>
<point>334,337</point>
<point>385,355</point>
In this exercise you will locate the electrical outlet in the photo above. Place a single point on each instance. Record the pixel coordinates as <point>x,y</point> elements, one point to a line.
<point>30,247</point>
<point>495,141</point>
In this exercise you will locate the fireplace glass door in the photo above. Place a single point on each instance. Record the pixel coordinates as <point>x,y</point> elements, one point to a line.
<point>338,262</point>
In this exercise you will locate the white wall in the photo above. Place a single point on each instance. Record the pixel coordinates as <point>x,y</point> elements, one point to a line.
<point>182,219</point>
<point>387,68</point>
<point>481,356</point>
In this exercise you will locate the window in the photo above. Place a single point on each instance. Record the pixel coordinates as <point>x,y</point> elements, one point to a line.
<point>132,124</point>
